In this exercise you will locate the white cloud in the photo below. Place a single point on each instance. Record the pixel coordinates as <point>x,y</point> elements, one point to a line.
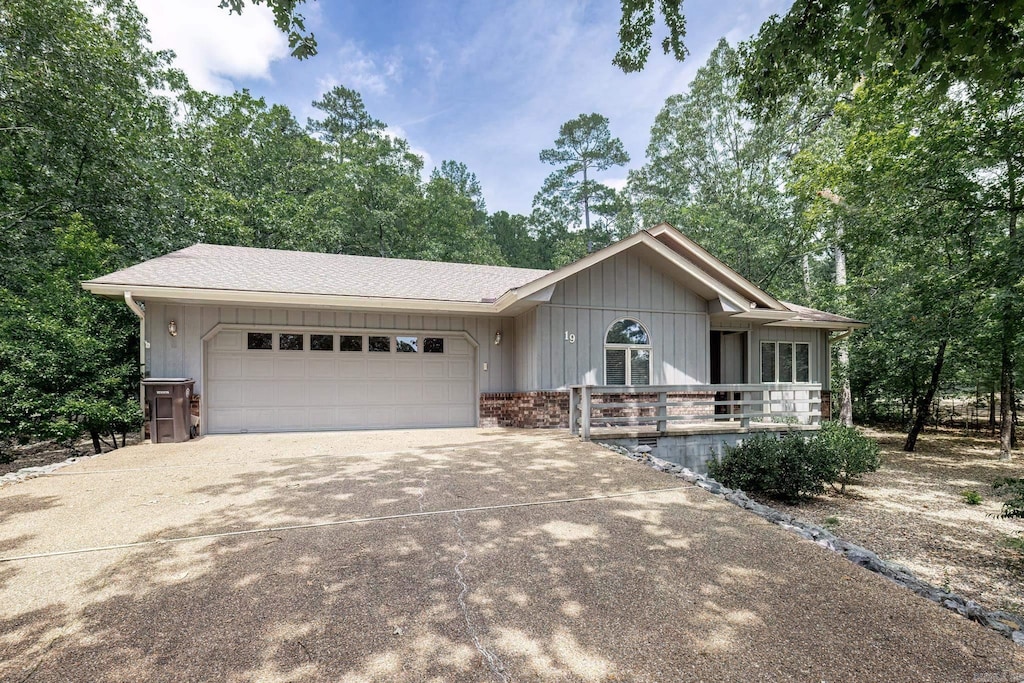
<point>617,184</point>
<point>214,47</point>
<point>362,71</point>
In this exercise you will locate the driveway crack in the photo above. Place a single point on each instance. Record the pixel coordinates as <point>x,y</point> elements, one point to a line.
<point>494,663</point>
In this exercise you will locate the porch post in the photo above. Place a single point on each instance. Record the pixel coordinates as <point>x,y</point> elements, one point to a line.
<point>574,407</point>
<point>586,412</point>
<point>662,411</point>
<point>744,408</point>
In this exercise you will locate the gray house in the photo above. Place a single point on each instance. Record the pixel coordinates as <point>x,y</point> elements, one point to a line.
<point>281,340</point>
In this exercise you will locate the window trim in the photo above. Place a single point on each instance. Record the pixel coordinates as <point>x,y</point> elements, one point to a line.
<point>629,347</point>
<point>775,343</point>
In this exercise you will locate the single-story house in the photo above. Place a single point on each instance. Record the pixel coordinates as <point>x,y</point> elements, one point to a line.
<point>282,340</point>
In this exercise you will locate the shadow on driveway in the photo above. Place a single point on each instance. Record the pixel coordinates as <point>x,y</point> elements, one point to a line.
<point>663,584</point>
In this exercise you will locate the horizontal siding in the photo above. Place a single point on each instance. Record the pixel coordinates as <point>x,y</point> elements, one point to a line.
<point>181,356</point>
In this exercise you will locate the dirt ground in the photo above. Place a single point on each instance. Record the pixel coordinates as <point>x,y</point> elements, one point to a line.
<point>48,452</point>
<point>912,511</point>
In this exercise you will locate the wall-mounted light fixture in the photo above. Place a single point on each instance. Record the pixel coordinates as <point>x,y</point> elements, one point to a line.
<point>497,337</point>
<point>172,328</point>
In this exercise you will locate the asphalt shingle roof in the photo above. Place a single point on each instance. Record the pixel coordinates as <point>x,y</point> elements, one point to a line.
<point>216,267</point>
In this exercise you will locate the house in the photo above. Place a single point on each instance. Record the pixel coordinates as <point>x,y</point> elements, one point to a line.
<point>280,340</point>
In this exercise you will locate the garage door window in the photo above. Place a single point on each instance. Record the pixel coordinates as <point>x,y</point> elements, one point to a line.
<point>260,341</point>
<point>433,345</point>
<point>351,343</point>
<point>407,344</point>
<point>321,342</point>
<point>380,344</point>
<point>289,342</point>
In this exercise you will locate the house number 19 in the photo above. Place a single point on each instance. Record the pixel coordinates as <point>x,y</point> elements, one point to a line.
<point>570,337</point>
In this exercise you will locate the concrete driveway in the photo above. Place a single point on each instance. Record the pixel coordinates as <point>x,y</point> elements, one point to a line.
<point>439,555</point>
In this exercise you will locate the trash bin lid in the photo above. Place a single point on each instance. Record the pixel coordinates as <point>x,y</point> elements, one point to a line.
<point>167,380</point>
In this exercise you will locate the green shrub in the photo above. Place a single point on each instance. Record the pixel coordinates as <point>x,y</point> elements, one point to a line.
<point>786,467</point>
<point>971,497</point>
<point>799,464</point>
<point>852,453</point>
<point>1014,507</point>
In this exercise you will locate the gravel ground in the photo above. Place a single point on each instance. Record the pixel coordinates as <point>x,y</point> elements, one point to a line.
<point>912,512</point>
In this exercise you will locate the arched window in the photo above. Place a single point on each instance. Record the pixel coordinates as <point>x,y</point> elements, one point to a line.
<point>627,354</point>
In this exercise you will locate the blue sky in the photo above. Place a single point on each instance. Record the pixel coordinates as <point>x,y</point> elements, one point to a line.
<point>486,82</point>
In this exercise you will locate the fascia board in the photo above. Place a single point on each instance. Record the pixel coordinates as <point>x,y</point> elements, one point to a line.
<point>734,279</point>
<point>252,298</point>
<point>818,324</point>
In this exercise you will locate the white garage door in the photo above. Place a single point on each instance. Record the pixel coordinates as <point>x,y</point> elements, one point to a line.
<point>273,381</point>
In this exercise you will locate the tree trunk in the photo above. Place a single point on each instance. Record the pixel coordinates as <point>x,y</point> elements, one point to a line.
<point>846,398</point>
<point>96,447</point>
<point>921,414</point>
<point>1006,432</point>
<point>992,410</point>
<point>805,267</point>
<point>586,202</point>
<point>1006,402</point>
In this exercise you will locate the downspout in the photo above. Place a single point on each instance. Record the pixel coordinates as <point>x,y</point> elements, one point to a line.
<point>140,312</point>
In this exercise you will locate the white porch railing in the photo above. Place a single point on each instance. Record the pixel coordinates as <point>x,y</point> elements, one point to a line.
<point>745,405</point>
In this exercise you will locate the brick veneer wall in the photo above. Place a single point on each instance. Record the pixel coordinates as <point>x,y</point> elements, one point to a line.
<point>826,405</point>
<point>525,409</point>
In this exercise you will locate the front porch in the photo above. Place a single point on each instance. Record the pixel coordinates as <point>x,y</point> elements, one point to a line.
<point>612,412</point>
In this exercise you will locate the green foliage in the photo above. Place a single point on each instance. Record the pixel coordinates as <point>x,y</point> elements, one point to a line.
<point>938,42</point>
<point>851,453</point>
<point>797,465</point>
<point>971,497</point>
<point>788,468</point>
<point>1013,506</point>
<point>66,363</point>
<point>831,522</point>
<point>636,29</point>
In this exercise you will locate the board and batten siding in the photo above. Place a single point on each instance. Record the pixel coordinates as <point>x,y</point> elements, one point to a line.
<point>181,356</point>
<point>586,304</point>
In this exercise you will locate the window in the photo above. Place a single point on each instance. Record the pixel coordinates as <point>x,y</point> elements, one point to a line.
<point>351,343</point>
<point>406,344</point>
<point>627,354</point>
<point>260,341</point>
<point>433,345</point>
<point>289,342</point>
<point>321,342</point>
<point>785,362</point>
<point>380,344</point>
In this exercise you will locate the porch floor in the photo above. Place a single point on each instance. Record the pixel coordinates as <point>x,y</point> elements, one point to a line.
<point>682,429</point>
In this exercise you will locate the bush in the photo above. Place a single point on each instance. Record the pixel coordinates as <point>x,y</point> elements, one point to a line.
<point>852,453</point>
<point>1014,507</point>
<point>786,467</point>
<point>797,465</point>
<point>971,497</point>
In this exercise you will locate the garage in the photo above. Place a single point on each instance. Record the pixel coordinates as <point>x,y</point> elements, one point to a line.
<point>272,380</point>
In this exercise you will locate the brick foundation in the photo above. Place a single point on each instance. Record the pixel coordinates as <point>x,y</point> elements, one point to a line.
<point>533,409</point>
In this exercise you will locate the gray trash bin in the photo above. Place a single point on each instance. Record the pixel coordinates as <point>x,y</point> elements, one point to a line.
<point>170,416</point>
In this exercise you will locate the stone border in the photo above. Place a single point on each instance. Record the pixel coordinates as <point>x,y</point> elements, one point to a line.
<point>26,473</point>
<point>1004,623</point>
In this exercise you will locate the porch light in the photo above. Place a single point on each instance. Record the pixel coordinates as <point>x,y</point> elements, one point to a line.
<point>497,337</point>
<point>172,328</point>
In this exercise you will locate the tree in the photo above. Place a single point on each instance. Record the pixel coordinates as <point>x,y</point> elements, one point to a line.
<point>940,42</point>
<point>636,29</point>
<point>584,145</point>
<point>716,175</point>
<point>511,232</point>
